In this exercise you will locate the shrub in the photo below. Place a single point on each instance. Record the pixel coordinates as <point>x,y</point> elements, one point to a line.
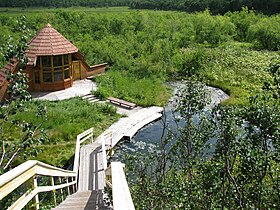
<point>212,29</point>
<point>265,34</point>
<point>242,20</point>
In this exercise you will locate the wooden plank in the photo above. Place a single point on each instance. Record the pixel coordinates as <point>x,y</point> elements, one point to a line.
<point>121,195</point>
<point>129,134</point>
<point>91,172</point>
<point>121,102</point>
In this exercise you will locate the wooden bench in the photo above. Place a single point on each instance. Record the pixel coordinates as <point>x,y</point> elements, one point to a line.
<point>122,102</point>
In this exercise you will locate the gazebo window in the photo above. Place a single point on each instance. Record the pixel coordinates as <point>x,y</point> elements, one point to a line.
<point>54,68</point>
<point>37,71</point>
<point>57,60</point>
<point>47,68</point>
<point>58,67</point>
<point>46,63</point>
<point>66,66</point>
<point>66,60</point>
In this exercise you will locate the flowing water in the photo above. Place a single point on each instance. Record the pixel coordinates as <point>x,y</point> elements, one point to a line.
<point>148,137</point>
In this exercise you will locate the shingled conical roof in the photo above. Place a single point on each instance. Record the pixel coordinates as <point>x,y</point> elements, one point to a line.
<point>48,42</point>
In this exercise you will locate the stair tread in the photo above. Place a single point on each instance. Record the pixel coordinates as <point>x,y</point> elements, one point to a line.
<point>84,200</point>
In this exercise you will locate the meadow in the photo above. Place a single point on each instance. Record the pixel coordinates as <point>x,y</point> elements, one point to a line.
<point>145,50</point>
<point>231,51</point>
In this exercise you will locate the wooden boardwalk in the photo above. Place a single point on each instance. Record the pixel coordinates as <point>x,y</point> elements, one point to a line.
<point>128,126</point>
<point>91,168</point>
<point>91,176</point>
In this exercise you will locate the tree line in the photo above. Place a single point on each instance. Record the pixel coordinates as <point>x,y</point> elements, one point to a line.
<point>63,3</point>
<point>215,6</point>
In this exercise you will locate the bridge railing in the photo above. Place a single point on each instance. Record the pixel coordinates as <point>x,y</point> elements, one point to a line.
<point>115,179</point>
<point>27,174</point>
<point>81,138</point>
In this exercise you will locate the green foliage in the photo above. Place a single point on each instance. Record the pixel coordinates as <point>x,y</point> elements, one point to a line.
<point>215,6</point>
<point>243,20</point>
<point>212,29</point>
<point>237,70</point>
<point>265,33</point>
<point>149,44</point>
<point>144,92</point>
<point>29,135</point>
<point>238,170</point>
<point>189,62</point>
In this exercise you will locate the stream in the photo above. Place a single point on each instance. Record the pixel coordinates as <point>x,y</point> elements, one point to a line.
<point>149,136</point>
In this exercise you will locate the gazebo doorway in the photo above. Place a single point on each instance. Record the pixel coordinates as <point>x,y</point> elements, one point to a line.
<point>76,69</point>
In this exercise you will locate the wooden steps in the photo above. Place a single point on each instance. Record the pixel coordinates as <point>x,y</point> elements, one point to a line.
<point>86,200</point>
<point>90,98</point>
<point>91,169</point>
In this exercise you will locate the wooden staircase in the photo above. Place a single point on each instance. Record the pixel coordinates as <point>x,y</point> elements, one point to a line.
<point>90,98</point>
<point>86,200</point>
<point>91,182</point>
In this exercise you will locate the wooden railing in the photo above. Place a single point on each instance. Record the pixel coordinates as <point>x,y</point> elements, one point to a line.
<point>82,137</point>
<point>28,172</point>
<point>115,178</point>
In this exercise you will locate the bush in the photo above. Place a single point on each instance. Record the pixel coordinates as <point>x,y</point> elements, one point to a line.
<point>188,62</point>
<point>265,34</point>
<point>212,29</point>
<point>242,20</point>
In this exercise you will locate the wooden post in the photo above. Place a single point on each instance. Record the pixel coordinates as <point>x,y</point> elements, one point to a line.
<point>54,195</point>
<point>104,152</point>
<point>36,198</point>
<point>68,189</point>
<point>73,186</point>
<point>61,190</point>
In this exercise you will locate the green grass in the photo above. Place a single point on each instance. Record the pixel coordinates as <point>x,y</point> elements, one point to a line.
<point>238,70</point>
<point>144,91</point>
<point>65,120</point>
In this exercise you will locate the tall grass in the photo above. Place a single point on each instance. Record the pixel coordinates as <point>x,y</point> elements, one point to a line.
<point>142,91</point>
<point>65,120</point>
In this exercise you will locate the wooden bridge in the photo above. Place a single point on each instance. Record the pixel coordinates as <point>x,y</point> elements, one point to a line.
<point>83,187</point>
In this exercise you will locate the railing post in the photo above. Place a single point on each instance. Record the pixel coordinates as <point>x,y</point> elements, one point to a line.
<point>73,186</point>
<point>68,188</point>
<point>36,198</point>
<point>104,152</point>
<point>61,190</point>
<point>92,136</point>
<point>53,191</point>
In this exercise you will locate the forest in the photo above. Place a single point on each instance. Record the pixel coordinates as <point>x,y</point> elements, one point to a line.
<point>215,6</point>
<point>145,50</point>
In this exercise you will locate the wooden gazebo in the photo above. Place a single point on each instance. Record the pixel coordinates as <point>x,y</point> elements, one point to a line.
<point>54,62</point>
